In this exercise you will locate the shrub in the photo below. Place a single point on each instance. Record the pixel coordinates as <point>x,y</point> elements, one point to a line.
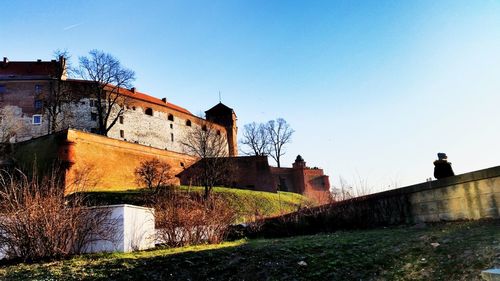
<point>153,173</point>
<point>36,220</point>
<point>184,218</point>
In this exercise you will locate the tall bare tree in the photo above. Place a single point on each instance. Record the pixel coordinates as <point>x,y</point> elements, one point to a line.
<point>280,133</point>
<point>60,95</point>
<point>109,78</point>
<point>256,138</point>
<point>208,144</point>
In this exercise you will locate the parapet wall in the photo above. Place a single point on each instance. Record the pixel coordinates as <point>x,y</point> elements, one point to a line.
<point>474,195</point>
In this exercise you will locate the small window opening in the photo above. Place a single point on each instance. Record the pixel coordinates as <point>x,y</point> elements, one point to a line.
<point>38,89</point>
<point>188,123</point>
<point>122,134</point>
<point>170,117</point>
<point>38,104</point>
<point>172,137</point>
<point>93,116</point>
<point>149,111</point>
<point>171,126</point>
<point>204,127</point>
<point>121,119</point>
<point>37,119</point>
<point>218,132</point>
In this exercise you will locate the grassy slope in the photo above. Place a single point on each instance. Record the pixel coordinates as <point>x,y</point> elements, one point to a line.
<point>402,253</point>
<point>247,203</point>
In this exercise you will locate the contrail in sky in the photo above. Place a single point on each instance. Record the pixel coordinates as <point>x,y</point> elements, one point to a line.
<point>72,26</point>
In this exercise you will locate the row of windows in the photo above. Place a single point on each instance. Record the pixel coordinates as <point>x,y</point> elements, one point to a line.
<point>93,117</point>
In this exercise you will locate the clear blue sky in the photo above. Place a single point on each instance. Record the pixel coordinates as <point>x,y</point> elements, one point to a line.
<point>373,89</point>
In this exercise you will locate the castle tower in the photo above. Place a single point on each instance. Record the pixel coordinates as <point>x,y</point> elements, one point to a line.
<point>225,116</point>
<point>299,162</point>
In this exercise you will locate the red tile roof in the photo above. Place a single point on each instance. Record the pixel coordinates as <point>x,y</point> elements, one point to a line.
<point>143,97</point>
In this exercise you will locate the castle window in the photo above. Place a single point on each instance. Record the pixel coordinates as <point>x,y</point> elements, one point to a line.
<point>204,127</point>
<point>218,132</point>
<point>149,111</point>
<point>121,119</point>
<point>93,116</point>
<point>38,89</point>
<point>133,107</point>
<point>38,104</point>
<point>37,119</point>
<point>172,137</point>
<point>122,134</point>
<point>170,117</point>
<point>188,123</point>
<point>171,126</point>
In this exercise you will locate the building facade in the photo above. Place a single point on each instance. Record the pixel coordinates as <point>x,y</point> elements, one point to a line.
<point>25,88</point>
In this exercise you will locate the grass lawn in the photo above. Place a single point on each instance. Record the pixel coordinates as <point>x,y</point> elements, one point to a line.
<point>401,253</point>
<point>247,203</point>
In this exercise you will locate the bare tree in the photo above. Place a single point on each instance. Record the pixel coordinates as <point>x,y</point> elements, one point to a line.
<point>153,173</point>
<point>208,144</point>
<point>280,133</point>
<point>256,137</point>
<point>61,94</point>
<point>109,78</point>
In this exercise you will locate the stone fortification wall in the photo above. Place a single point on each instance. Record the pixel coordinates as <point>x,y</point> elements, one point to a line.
<point>111,163</point>
<point>165,128</point>
<point>93,161</point>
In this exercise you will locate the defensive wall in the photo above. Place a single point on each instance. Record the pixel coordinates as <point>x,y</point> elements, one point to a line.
<point>469,196</point>
<point>95,160</point>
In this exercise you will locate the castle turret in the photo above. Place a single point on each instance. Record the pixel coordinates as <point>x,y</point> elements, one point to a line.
<point>299,162</point>
<point>225,116</point>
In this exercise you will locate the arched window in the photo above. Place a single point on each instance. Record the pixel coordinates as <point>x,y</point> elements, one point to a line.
<point>149,111</point>
<point>218,132</point>
<point>188,123</point>
<point>170,117</point>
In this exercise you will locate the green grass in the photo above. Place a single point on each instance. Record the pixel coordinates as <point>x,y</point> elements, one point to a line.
<point>247,203</point>
<point>399,253</point>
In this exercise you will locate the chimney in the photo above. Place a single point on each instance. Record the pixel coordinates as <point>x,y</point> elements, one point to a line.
<point>38,60</point>
<point>164,100</point>
<point>5,60</point>
<point>132,90</point>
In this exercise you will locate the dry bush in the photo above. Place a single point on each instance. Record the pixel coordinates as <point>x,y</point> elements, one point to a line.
<point>153,173</point>
<point>38,222</point>
<point>184,218</point>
